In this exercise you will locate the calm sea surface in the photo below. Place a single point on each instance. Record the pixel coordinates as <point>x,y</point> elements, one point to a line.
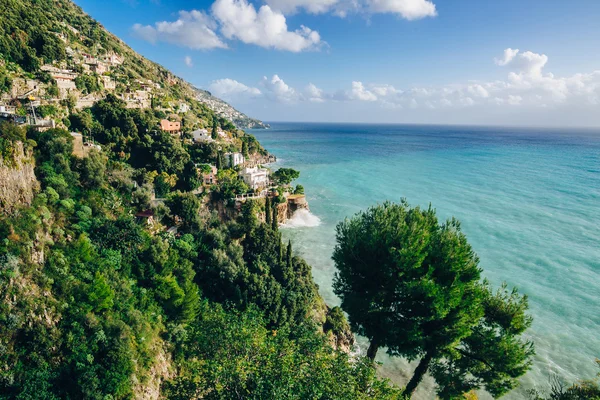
<point>528,199</point>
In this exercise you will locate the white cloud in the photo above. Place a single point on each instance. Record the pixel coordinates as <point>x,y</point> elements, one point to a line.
<point>193,29</point>
<point>385,90</point>
<point>314,94</point>
<point>292,6</point>
<point>509,54</point>
<point>266,28</point>
<point>234,20</point>
<point>407,9</point>
<point>188,61</point>
<point>478,90</point>
<point>359,92</point>
<point>514,100</point>
<point>276,89</point>
<point>528,88</point>
<point>229,89</point>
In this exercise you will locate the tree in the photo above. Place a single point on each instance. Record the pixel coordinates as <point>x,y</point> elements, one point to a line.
<point>219,161</point>
<point>289,256</point>
<point>268,215</point>
<point>285,176</point>
<point>275,219</point>
<point>412,285</point>
<point>215,129</point>
<point>189,179</point>
<point>187,207</point>
<point>245,149</point>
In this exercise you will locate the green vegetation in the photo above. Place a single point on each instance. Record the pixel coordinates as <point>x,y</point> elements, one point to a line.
<point>88,84</point>
<point>582,390</point>
<point>412,285</point>
<point>96,303</point>
<point>285,176</point>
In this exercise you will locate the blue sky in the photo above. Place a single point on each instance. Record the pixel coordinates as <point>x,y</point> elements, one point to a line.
<point>422,61</point>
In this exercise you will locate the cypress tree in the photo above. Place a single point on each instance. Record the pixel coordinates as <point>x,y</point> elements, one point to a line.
<point>289,257</point>
<point>275,220</point>
<point>219,161</point>
<point>267,211</point>
<point>280,249</point>
<point>215,129</point>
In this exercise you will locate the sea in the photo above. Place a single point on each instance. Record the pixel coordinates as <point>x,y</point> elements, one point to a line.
<point>528,200</point>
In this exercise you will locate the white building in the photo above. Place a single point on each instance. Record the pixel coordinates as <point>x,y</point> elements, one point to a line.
<point>201,135</point>
<point>234,159</point>
<point>183,108</point>
<point>256,178</point>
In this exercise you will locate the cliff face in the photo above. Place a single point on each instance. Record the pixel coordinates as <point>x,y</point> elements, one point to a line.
<point>17,179</point>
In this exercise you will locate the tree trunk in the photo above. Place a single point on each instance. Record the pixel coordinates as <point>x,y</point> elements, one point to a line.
<point>418,375</point>
<point>373,347</point>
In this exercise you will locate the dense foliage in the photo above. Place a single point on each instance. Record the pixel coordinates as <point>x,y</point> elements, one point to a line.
<point>412,285</point>
<point>96,303</point>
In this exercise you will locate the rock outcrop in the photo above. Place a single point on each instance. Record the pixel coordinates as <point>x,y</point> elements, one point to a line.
<point>18,183</point>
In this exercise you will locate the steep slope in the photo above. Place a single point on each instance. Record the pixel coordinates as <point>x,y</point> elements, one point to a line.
<point>52,50</point>
<point>225,110</point>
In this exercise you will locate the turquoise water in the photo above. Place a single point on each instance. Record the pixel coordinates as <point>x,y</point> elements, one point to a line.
<point>528,199</point>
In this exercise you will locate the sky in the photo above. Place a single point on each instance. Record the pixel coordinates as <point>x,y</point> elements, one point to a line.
<point>510,62</point>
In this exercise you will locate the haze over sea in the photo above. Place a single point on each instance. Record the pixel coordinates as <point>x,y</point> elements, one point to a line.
<point>528,200</point>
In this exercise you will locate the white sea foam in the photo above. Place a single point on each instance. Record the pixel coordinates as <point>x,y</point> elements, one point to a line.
<point>303,219</point>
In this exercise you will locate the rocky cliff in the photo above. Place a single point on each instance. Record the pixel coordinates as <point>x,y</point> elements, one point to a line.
<point>18,183</point>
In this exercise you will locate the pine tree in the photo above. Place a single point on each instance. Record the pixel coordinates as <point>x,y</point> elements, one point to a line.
<point>245,149</point>
<point>191,302</point>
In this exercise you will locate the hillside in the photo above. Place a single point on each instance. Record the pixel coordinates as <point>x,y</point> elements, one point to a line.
<point>225,110</point>
<point>140,251</point>
<point>53,54</point>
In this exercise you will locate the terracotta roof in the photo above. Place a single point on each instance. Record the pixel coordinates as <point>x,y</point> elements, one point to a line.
<point>169,126</point>
<point>145,214</point>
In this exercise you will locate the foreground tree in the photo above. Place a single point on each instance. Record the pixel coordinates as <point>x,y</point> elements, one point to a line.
<point>412,285</point>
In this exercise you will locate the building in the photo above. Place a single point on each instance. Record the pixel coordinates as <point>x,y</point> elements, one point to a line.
<point>113,59</point>
<point>210,178</point>
<point>201,135</point>
<point>109,83</point>
<point>234,159</point>
<point>98,67</point>
<point>171,127</point>
<point>256,178</point>
<point>183,108</point>
<point>146,217</point>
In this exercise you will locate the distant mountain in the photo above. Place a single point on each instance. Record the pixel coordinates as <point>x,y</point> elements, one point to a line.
<point>225,110</point>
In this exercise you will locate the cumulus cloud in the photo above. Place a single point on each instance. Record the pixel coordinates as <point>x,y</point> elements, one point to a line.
<point>312,6</point>
<point>265,27</point>
<point>193,29</point>
<point>188,61</point>
<point>314,94</point>
<point>407,9</point>
<point>276,89</point>
<point>233,20</point>
<point>359,92</point>
<point>527,86</point>
<point>230,89</point>
<point>509,55</point>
